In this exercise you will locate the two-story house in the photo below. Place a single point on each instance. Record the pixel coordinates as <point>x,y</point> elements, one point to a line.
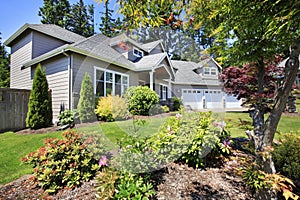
<point>114,64</point>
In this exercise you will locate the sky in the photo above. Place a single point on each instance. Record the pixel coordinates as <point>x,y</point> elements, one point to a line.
<point>15,13</point>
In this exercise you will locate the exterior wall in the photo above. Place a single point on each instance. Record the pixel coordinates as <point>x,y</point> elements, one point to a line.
<point>58,81</point>
<point>43,44</point>
<point>82,64</point>
<point>21,52</point>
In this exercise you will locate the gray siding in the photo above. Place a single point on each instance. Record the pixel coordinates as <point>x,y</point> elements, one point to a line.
<point>43,44</point>
<point>82,64</point>
<point>58,80</point>
<point>20,53</point>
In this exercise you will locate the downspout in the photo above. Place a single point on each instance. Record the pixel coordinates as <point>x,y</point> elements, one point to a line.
<point>69,79</point>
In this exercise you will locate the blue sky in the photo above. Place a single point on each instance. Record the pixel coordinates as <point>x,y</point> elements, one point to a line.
<point>15,13</point>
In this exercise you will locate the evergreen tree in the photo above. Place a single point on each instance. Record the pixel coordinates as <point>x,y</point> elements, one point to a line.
<point>81,19</point>
<point>39,107</point>
<point>86,101</point>
<point>4,67</point>
<point>109,26</point>
<point>55,12</point>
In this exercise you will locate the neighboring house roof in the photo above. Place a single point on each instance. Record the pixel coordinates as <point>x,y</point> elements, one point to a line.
<point>186,75</point>
<point>48,29</point>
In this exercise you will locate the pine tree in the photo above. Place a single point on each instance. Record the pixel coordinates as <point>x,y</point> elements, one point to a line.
<point>86,101</point>
<point>55,12</point>
<point>81,19</point>
<point>4,67</point>
<point>109,26</point>
<point>39,107</point>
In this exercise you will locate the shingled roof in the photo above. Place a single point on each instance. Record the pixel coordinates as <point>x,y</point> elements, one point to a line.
<point>185,73</point>
<point>48,29</point>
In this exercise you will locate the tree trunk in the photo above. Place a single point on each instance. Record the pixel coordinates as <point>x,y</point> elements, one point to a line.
<point>291,70</point>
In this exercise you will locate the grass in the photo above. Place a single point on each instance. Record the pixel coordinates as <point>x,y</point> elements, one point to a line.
<point>13,147</point>
<point>239,122</point>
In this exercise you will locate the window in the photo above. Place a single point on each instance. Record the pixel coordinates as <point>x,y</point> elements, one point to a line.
<point>110,82</point>
<point>210,71</point>
<point>163,92</point>
<point>137,53</point>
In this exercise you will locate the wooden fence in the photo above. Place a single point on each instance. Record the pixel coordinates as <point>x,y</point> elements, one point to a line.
<point>13,108</point>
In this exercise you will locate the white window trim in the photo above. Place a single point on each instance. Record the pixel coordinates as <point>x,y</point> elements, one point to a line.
<point>137,50</point>
<point>113,82</point>
<point>165,92</point>
<point>209,71</point>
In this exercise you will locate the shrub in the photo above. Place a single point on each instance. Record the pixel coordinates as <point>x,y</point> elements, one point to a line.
<point>111,108</point>
<point>287,156</point>
<point>165,108</point>
<point>39,113</point>
<point>156,109</point>
<point>122,185</point>
<point>86,100</point>
<point>140,99</point>
<point>66,117</point>
<point>62,162</point>
<point>177,103</point>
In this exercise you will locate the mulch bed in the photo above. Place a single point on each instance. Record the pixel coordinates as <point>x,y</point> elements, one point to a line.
<point>174,181</point>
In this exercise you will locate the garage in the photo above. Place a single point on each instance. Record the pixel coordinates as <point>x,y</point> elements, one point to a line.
<point>202,99</point>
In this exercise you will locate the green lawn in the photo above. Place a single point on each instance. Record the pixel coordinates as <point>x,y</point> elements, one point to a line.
<point>238,122</point>
<point>13,147</point>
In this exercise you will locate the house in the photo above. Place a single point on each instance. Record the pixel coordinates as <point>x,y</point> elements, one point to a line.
<point>114,64</point>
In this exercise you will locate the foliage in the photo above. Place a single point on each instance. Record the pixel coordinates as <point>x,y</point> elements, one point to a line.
<point>177,103</point>
<point>4,67</point>
<point>66,117</point>
<point>39,113</point>
<point>156,109</point>
<point>259,180</point>
<point>106,181</point>
<point>165,108</point>
<point>111,108</point>
<point>112,184</point>
<point>189,137</point>
<point>86,100</point>
<point>131,186</point>
<point>81,19</point>
<point>55,12</point>
<point>140,99</point>
<point>62,162</point>
<point>287,156</point>
<point>242,82</point>
<point>109,26</point>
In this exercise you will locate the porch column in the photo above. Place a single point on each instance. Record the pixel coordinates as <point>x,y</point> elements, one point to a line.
<point>169,89</point>
<point>151,80</point>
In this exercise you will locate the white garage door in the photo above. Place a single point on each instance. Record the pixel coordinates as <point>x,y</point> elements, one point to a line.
<point>192,98</point>
<point>202,98</point>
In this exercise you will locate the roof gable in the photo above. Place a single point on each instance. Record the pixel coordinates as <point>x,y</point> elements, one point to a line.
<point>47,29</point>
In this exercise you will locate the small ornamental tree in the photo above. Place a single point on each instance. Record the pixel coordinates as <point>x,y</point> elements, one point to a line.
<point>242,83</point>
<point>39,113</point>
<point>86,101</point>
